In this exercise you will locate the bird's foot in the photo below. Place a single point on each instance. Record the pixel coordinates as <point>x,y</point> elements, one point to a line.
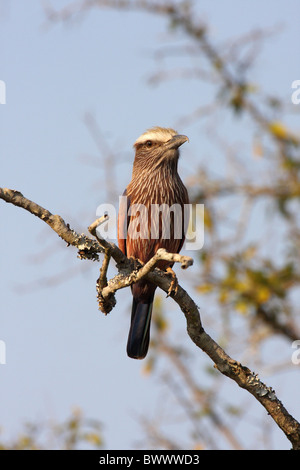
<point>174,282</point>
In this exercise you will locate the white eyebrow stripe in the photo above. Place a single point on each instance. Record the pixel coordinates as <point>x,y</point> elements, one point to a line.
<point>159,134</point>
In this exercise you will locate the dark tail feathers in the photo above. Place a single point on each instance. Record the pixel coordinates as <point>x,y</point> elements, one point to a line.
<point>139,334</point>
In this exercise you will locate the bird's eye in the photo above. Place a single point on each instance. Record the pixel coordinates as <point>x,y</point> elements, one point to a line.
<point>149,143</point>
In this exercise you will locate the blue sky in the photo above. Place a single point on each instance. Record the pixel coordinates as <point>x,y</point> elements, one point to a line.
<point>61,352</point>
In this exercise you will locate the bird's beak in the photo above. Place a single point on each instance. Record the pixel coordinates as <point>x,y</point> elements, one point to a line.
<point>176,141</point>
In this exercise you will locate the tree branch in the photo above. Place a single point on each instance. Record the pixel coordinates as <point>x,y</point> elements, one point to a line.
<point>131,271</point>
<point>88,248</point>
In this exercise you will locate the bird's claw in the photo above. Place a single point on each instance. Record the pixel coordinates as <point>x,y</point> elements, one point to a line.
<point>174,283</point>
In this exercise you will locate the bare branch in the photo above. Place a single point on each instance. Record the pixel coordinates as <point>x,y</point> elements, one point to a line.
<point>88,248</point>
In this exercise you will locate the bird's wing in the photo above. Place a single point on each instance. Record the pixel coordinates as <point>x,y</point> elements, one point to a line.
<point>123,222</point>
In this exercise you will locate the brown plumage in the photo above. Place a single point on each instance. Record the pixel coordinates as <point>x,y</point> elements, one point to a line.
<point>155,180</point>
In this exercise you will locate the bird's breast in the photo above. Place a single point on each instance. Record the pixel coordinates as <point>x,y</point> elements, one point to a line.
<point>156,215</point>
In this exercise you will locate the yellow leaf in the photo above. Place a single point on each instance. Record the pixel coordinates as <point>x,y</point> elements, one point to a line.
<point>263,294</point>
<point>148,367</point>
<point>279,130</point>
<point>205,288</point>
<point>223,297</point>
<point>241,306</point>
<point>208,220</point>
<point>243,286</point>
<point>93,438</point>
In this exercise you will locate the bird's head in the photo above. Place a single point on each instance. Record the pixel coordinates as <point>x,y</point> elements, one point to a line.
<point>157,146</point>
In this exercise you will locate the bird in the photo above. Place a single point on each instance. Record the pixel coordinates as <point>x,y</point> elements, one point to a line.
<point>155,183</point>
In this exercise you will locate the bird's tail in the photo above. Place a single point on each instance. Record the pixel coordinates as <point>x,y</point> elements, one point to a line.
<point>139,333</point>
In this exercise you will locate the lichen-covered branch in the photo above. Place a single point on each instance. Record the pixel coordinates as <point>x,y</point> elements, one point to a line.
<point>131,271</point>
<point>88,248</point>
